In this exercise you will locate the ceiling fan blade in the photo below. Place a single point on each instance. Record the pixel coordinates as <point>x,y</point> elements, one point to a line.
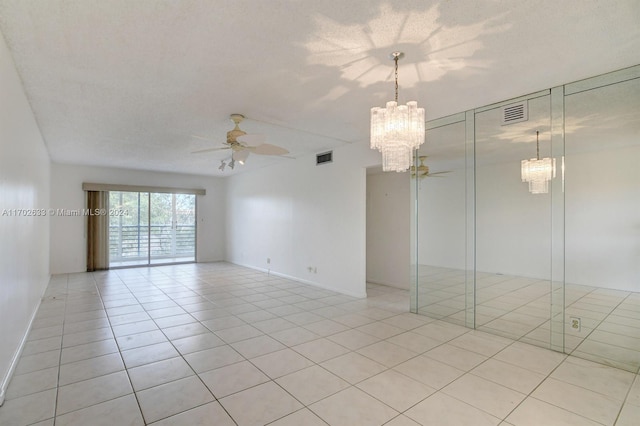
<point>251,140</point>
<point>202,137</point>
<point>268,149</point>
<point>439,173</point>
<point>210,149</point>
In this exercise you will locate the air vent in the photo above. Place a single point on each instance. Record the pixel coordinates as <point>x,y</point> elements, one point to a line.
<point>325,157</point>
<point>515,113</point>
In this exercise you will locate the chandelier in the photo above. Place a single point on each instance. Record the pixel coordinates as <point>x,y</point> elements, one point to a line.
<point>397,130</point>
<point>538,172</point>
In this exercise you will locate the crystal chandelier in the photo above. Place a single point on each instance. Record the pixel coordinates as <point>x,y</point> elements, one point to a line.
<point>538,172</point>
<point>397,130</point>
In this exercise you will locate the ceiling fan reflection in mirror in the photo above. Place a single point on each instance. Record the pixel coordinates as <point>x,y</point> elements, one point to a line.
<point>422,170</point>
<point>242,144</point>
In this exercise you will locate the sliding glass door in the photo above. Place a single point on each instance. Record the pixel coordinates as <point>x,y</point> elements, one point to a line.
<point>151,228</point>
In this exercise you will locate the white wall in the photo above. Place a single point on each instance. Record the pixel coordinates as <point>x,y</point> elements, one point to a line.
<point>513,226</point>
<point>388,228</point>
<point>441,223</point>
<point>602,207</point>
<point>24,241</point>
<point>301,215</point>
<point>68,233</point>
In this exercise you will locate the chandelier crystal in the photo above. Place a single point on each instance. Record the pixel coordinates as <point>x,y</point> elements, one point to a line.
<point>397,130</point>
<point>538,172</point>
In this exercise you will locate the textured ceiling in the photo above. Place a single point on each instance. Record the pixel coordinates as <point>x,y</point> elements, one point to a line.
<point>127,83</point>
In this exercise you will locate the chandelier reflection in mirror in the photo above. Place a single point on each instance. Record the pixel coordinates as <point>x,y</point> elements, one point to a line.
<point>397,130</point>
<point>538,172</point>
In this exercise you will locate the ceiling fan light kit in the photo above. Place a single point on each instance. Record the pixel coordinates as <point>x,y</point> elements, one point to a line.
<point>397,130</point>
<point>242,144</point>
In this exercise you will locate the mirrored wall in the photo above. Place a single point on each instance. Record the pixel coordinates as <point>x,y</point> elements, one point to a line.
<point>527,219</point>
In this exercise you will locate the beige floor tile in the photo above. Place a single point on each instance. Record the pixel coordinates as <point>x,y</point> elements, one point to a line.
<point>353,367</point>
<point>320,350</point>
<point>28,409</point>
<point>280,363</point>
<point>197,343</point>
<point>210,359</point>
<point>387,353</point>
<point>326,327</point>
<point>584,402</point>
<point>540,360</point>
<point>456,357</point>
<point>443,410</point>
<point>323,383</point>
<point>533,412</point>
<point>233,378</point>
<point>175,320</point>
<point>273,325</point>
<point>93,391</point>
<point>223,323</point>
<point>90,368</point>
<point>31,363</point>
<point>158,373</point>
<point>629,415</point>
<point>172,398</point>
<point>123,411</point>
<point>301,417</point>
<point>139,340</point>
<point>429,371</point>
<point>509,375</point>
<point>482,343</point>
<point>401,420</point>
<point>37,381</point>
<point>294,336</point>
<point>257,346</point>
<point>441,331</point>
<point>396,390</point>
<point>185,330</point>
<point>353,339</point>
<point>596,377</point>
<point>148,354</point>
<point>208,414</point>
<point>32,347</point>
<point>134,328</point>
<point>634,393</point>
<point>414,342</point>
<point>236,334</point>
<point>353,407</point>
<point>260,404</point>
<point>485,395</point>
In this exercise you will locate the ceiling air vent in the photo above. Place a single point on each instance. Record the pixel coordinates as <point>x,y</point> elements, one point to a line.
<point>325,157</point>
<point>515,113</point>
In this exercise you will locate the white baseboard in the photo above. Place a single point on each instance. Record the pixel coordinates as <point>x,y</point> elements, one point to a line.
<point>16,356</point>
<point>303,281</point>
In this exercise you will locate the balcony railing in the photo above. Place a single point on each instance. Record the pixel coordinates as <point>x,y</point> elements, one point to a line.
<point>132,242</point>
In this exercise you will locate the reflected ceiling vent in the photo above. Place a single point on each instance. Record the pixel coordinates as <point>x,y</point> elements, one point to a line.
<point>325,157</point>
<point>515,113</point>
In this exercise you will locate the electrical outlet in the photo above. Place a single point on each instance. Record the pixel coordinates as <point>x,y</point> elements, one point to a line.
<point>315,270</point>
<point>310,268</point>
<point>575,323</point>
<point>268,260</point>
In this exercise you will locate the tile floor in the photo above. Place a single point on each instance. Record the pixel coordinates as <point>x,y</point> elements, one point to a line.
<point>218,344</point>
<point>519,308</point>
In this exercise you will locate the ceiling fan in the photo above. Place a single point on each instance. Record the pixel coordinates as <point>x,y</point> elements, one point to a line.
<point>242,144</point>
<point>423,170</point>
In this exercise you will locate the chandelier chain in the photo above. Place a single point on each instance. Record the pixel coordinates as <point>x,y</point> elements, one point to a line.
<point>396,61</point>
